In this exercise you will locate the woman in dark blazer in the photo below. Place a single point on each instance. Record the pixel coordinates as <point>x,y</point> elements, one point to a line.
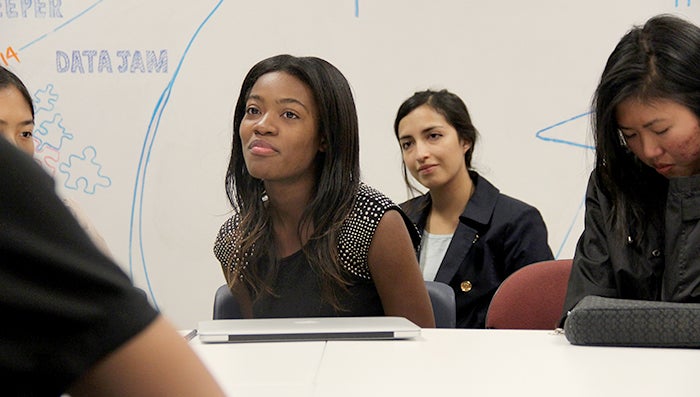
<point>473,237</point>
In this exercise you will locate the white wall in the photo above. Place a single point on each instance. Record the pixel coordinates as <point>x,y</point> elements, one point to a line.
<point>144,149</point>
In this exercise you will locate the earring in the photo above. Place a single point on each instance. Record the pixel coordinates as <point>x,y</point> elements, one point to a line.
<point>621,137</point>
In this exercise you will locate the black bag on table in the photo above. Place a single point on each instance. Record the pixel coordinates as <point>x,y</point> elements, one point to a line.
<point>603,321</point>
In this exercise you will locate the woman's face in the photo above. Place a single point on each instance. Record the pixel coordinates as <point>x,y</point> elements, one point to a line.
<point>279,132</point>
<point>16,119</point>
<point>431,147</point>
<point>663,134</point>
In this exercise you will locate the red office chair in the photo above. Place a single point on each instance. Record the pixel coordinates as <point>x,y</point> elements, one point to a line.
<point>531,298</point>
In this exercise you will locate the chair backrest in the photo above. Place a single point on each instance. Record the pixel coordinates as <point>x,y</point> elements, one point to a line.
<point>225,305</point>
<point>442,298</point>
<point>531,298</point>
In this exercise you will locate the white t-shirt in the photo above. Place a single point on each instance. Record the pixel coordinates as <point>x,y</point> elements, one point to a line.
<point>432,251</point>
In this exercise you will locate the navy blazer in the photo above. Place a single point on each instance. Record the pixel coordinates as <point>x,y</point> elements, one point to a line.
<point>496,236</point>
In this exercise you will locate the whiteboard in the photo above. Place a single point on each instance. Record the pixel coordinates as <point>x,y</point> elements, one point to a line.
<point>134,104</point>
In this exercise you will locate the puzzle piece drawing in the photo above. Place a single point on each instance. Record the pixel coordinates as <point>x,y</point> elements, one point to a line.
<point>44,100</point>
<point>52,133</point>
<point>47,157</point>
<point>84,173</point>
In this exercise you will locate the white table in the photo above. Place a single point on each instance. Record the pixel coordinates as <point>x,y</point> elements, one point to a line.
<point>451,362</point>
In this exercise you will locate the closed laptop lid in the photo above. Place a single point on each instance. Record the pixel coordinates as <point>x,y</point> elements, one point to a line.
<point>309,328</point>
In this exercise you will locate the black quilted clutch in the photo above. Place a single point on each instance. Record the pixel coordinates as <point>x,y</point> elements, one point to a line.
<point>621,322</point>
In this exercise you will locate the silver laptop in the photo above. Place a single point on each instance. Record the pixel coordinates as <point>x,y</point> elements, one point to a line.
<point>306,329</point>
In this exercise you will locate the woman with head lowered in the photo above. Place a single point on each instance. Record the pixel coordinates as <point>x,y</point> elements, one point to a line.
<point>642,238</point>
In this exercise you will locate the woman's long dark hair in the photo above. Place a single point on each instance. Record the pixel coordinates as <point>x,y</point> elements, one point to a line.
<point>338,174</point>
<point>9,79</point>
<point>660,60</point>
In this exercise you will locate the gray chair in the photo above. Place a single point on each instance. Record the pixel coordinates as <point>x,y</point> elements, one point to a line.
<point>225,305</point>
<point>442,297</point>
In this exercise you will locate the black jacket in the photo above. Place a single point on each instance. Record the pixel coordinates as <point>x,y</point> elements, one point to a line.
<point>666,266</point>
<point>496,236</point>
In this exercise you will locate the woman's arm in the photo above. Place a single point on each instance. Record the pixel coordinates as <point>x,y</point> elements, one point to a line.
<point>592,272</point>
<point>396,274</point>
<point>245,304</point>
<point>155,362</point>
